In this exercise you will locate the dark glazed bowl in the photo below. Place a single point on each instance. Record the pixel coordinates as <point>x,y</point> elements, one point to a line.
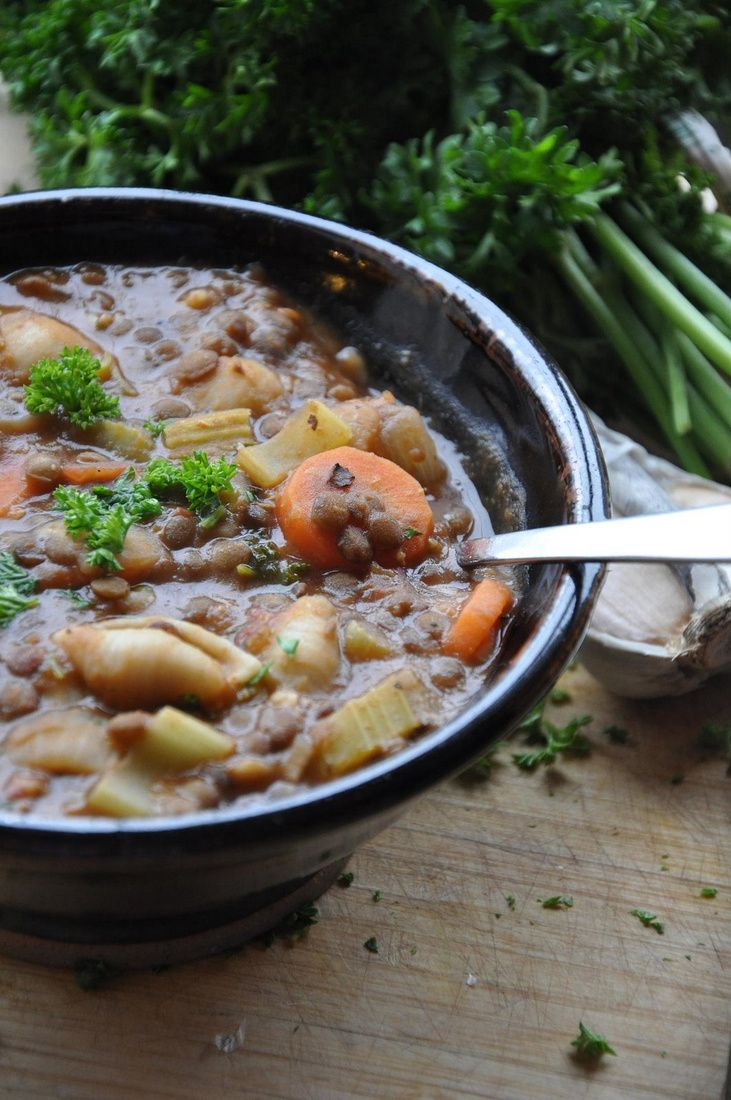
<point>141,892</point>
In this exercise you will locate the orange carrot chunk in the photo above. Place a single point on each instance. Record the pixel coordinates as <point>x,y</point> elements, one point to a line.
<point>83,473</point>
<point>13,486</point>
<point>349,472</point>
<point>473,632</point>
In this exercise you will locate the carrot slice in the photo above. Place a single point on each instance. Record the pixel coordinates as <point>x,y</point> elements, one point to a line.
<point>402,495</point>
<point>13,486</point>
<point>82,473</point>
<point>473,631</point>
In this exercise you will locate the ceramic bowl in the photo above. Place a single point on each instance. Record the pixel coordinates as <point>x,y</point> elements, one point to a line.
<point>145,892</point>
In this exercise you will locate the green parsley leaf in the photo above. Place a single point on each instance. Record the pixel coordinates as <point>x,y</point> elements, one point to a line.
<point>12,603</point>
<point>155,427</point>
<point>377,895</point>
<point>708,892</point>
<point>288,645</point>
<point>371,944</point>
<point>103,515</point>
<point>294,926</point>
<point>267,564</point>
<point>590,1045</point>
<point>564,739</point>
<point>257,678</point>
<point>559,696</point>
<point>345,880</point>
<point>558,901</point>
<point>196,478</point>
<point>411,533</point>
<point>69,385</point>
<point>74,596</point>
<point>510,899</point>
<point>91,974</point>
<point>16,589</point>
<point>650,920</point>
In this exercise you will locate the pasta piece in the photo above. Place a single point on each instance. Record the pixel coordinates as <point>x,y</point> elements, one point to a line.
<point>64,742</point>
<point>143,662</point>
<point>301,649</point>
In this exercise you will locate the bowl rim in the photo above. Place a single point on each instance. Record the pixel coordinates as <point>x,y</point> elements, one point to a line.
<point>436,755</point>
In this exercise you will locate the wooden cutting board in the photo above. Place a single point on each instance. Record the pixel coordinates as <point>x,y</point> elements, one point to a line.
<point>467,995</point>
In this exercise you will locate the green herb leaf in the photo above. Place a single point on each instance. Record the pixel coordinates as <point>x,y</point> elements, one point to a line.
<point>294,926</point>
<point>590,1045</point>
<point>103,515</point>
<point>259,676</point>
<point>556,740</point>
<point>411,533</point>
<point>288,645</point>
<point>377,895</point>
<point>16,588</point>
<point>708,892</point>
<point>558,901</point>
<point>650,920</point>
<point>92,974</point>
<point>196,478</point>
<point>371,944</point>
<point>510,899</point>
<point>345,879</point>
<point>155,427</point>
<point>616,734</point>
<point>69,385</point>
<point>74,596</point>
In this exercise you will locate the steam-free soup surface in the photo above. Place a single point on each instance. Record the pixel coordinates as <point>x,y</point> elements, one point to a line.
<point>227,561</point>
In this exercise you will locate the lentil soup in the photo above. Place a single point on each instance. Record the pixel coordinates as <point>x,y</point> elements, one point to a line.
<point>227,561</point>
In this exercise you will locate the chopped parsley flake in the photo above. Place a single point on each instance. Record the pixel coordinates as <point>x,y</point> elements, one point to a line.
<point>411,533</point>
<point>377,895</point>
<point>371,944</point>
<point>708,892</point>
<point>288,645</point>
<point>650,920</point>
<point>16,589</point>
<point>257,678</point>
<point>558,901</point>
<point>590,1045</point>
<point>345,880</point>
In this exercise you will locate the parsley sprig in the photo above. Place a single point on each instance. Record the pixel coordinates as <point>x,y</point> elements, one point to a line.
<point>650,920</point>
<point>69,386</point>
<point>553,740</point>
<point>197,479</point>
<point>16,589</point>
<point>590,1045</point>
<point>103,515</point>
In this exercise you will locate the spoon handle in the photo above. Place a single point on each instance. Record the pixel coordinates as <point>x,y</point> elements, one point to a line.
<point>695,535</point>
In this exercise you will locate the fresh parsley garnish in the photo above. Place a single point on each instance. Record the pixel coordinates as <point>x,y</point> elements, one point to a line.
<point>69,386</point>
<point>708,892</point>
<point>155,427</point>
<point>590,1045</point>
<point>74,596</point>
<point>345,879</point>
<point>377,895</point>
<point>555,739</point>
<point>558,901</point>
<point>16,589</point>
<point>103,515</point>
<point>197,479</point>
<point>267,564</point>
<point>258,676</point>
<point>716,737</point>
<point>371,944</point>
<point>616,734</point>
<point>294,926</point>
<point>288,645</point>
<point>411,533</point>
<point>510,899</point>
<point>650,920</point>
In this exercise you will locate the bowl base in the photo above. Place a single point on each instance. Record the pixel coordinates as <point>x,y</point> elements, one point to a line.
<point>149,953</point>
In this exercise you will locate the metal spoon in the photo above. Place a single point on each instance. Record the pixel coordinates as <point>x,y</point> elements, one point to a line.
<point>691,534</point>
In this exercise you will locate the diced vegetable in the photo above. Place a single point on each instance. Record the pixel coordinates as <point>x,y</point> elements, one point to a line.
<point>13,486</point>
<point>122,436</point>
<point>407,442</point>
<point>84,473</point>
<point>243,384</point>
<point>363,642</point>
<point>364,727</point>
<point>172,742</point>
<point>217,427</point>
<point>253,773</point>
<point>474,631</point>
<point>403,497</point>
<point>312,429</point>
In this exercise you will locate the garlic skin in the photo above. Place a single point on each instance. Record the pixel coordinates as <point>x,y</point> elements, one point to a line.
<point>657,629</point>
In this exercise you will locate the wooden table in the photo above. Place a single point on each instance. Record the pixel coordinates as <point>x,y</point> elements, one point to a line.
<point>468,996</point>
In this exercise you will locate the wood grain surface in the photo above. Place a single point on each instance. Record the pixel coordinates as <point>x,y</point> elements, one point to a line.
<point>467,997</point>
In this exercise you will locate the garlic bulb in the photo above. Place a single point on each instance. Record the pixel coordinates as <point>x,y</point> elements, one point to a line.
<point>657,629</point>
